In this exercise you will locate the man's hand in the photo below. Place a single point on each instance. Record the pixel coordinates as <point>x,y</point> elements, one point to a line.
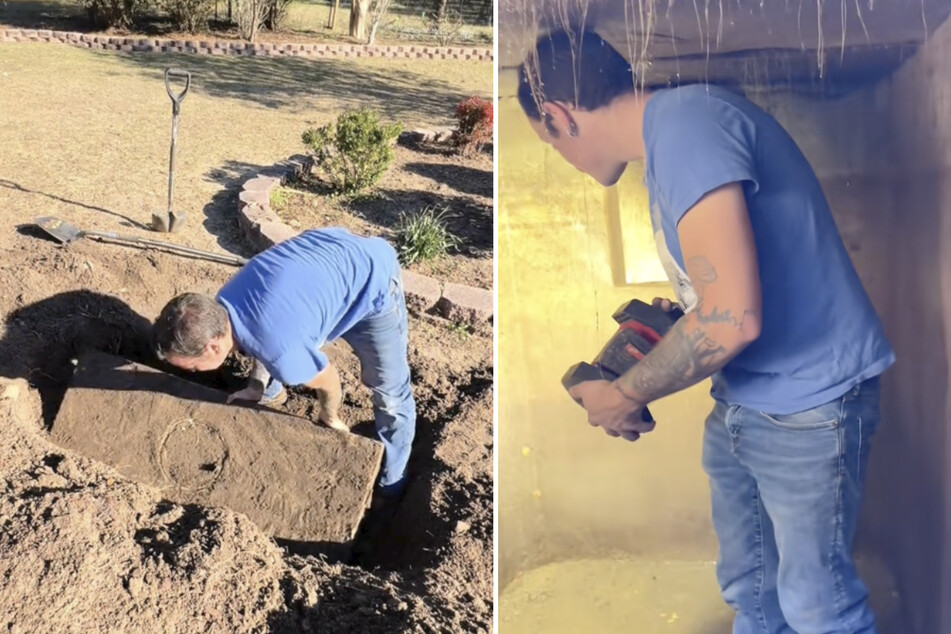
<point>334,422</point>
<point>252,393</point>
<point>611,409</point>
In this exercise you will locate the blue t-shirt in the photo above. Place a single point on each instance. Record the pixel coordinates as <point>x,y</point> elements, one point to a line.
<point>291,299</point>
<point>820,335</point>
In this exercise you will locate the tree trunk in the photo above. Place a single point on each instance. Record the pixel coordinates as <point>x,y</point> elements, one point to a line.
<point>486,15</point>
<point>359,16</point>
<point>372,38</point>
<point>332,20</point>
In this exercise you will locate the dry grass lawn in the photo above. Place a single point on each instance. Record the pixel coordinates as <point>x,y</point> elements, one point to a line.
<point>86,133</point>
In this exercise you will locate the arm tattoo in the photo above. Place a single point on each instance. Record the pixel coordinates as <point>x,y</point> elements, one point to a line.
<point>687,355</point>
<point>702,274</point>
<point>718,317</point>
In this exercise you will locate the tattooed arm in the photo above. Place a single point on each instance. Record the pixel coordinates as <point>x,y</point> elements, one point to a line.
<point>720,256</point>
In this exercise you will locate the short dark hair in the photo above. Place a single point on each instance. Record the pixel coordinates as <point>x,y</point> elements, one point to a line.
<point>186,324</point>
<point>577,68</point>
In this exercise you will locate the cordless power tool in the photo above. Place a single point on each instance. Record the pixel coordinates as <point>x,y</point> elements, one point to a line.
<point>640,327</point>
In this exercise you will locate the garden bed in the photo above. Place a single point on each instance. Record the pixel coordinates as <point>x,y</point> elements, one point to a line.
<point>421,177</point>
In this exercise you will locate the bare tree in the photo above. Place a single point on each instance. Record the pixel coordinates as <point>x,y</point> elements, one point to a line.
<point>377,12</point>
<point>277,14</point>
<point>332,18</point>
<point>440,7</point>
<point>251,17</point>
<point>366,17</point>
<point>359,16</point>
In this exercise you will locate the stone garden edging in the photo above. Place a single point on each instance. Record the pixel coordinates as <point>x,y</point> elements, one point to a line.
<point>263,228</point>
<point>228,47</point>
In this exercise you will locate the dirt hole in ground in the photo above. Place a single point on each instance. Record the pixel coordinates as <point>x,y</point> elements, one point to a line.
<point>426,560</point>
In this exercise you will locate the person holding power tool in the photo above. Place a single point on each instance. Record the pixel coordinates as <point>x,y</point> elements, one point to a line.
<point>283,305</point>
<point>775,314</point>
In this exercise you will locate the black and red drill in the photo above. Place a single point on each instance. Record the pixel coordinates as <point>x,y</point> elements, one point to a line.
<point>640,327</point>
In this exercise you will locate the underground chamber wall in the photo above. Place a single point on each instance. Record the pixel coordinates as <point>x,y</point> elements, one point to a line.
<point>576,504</point>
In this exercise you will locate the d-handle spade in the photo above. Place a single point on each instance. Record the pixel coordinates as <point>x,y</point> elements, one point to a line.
<point>171,220</point>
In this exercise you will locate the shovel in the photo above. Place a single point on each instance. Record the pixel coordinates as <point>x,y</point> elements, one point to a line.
<point>172,221</point>
<point>64,233</point>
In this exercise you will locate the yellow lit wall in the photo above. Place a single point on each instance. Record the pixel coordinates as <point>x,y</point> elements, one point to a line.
<point>566,489</point>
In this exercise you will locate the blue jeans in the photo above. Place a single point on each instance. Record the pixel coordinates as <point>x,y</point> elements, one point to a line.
<point>786,492</point>
<point>381,342</point>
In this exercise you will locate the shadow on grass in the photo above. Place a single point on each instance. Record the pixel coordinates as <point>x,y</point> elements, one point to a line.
<point>221,213</point>
<point>289,83</point>
<point>127,221</point>
<point>43,14</point>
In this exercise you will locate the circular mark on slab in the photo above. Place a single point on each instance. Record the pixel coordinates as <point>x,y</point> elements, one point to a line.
<point>192,454</point>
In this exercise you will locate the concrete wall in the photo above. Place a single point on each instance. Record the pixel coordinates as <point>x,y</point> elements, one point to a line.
<point>884,158</point>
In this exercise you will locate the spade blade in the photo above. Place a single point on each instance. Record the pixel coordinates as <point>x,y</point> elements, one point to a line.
<point>61,230</point>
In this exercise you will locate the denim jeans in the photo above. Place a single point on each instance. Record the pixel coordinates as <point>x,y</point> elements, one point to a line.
<point>786,492</point>
<point>381,342</point>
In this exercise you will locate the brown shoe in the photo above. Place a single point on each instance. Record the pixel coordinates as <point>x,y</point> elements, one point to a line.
<point>279,399</point>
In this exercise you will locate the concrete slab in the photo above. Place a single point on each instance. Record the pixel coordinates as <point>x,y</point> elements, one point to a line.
<point>298,482</point>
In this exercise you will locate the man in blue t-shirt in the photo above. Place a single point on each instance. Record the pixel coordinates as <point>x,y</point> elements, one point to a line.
<point>283,306</point>
<point>775,315</point>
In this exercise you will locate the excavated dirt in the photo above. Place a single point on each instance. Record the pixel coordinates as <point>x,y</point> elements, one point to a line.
<point>84,549</point>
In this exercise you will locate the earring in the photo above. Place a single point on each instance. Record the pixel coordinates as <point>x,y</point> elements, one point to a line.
<point>572,129</point>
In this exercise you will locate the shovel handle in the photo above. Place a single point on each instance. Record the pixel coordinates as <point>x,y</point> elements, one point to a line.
<point>178,73</point>
<point>222,258</point>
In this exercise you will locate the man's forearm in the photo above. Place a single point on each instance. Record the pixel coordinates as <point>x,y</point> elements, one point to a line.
<point>698,346</point>
<point>329,392</point>
<point>685,356</point>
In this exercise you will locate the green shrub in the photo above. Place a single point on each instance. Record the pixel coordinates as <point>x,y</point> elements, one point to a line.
<point>114,14</point>
<point>423,236</point>
<point>473,124</point>
<point>189,15</point>
<point>354,151</point>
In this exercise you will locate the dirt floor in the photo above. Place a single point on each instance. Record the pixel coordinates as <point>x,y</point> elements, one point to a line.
<point>75,533</point>
<point>419,177</point>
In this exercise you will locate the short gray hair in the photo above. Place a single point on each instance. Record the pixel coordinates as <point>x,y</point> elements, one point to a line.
<point>186,324</point>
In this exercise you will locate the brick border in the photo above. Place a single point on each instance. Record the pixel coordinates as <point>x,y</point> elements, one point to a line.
<point>263,228</point>
<point>228,47</point>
